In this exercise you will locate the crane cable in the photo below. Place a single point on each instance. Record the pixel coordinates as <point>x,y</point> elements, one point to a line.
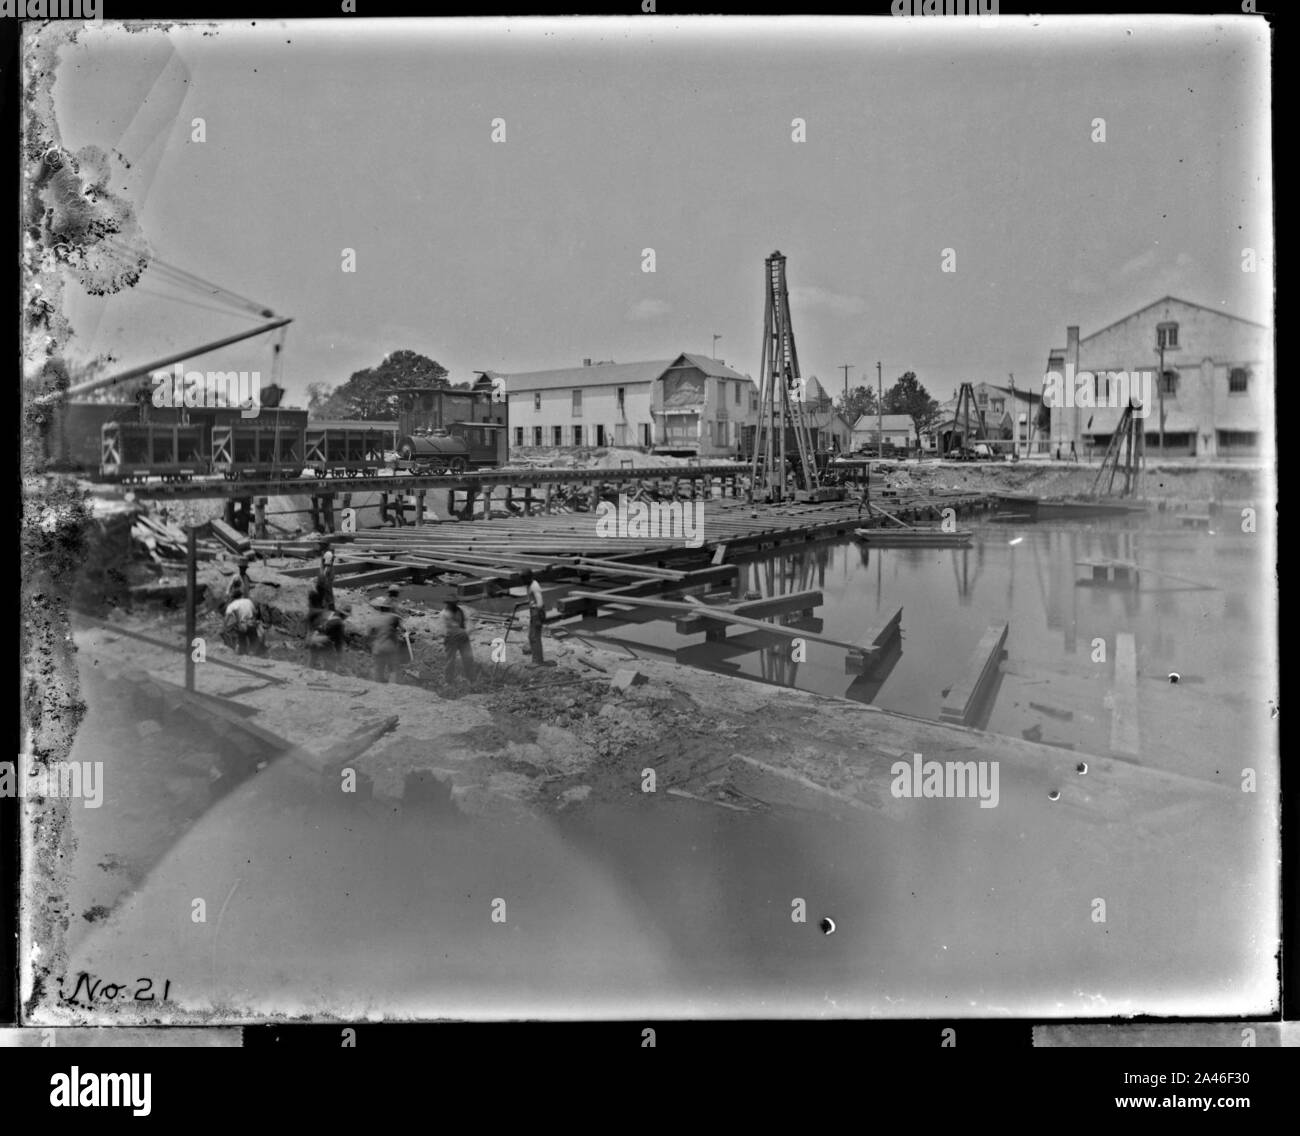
<point>181,278</point>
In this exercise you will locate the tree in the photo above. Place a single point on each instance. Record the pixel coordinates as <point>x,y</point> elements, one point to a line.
<point>907,396</point>
<point>372,393</point>
<point>861,400</point>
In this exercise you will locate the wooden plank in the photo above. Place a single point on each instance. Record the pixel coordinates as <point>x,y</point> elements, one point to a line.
<point>232,538</point>
<point>724,616</point>
<point>580,603</point>
<point>715,651</point>
<point>755,609</point>
<point>1125,740</point>
<point>962,702</point>
<point>861,662</point>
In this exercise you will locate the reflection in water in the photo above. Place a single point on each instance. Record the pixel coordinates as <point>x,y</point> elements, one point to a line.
<point>1191,603</point>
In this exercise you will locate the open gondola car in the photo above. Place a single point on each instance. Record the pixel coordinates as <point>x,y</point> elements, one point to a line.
<point>351,447</point>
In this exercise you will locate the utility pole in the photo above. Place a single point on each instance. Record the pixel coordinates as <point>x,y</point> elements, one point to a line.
<point>880,411</point>
<point>846,368</point>
<point>716,337</point>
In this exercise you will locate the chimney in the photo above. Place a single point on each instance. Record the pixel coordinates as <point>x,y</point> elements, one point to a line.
<point>587,362</point>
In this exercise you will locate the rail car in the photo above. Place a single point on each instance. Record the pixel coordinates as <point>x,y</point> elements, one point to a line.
<point>284,444</point>
<point>348,448</point>
<point>129,451</point>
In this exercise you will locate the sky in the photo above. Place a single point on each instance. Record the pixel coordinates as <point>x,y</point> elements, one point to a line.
<point>676,135</point>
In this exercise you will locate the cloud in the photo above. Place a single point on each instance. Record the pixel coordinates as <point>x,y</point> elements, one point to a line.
<point>648,310</point>
<point>810,296</point>
<point>1146,264</point>
<point>1140,263</point>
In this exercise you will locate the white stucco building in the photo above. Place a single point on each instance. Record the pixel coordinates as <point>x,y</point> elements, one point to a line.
<point>1217,384</point>
<point>688,404</point>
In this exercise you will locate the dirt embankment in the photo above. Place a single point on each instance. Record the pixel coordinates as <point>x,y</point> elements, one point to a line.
<point>1172,484</point>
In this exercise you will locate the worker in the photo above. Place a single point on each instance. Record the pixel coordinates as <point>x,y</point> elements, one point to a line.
<point>864,497</point>
<point>324,632</point>
<point>240,582</point>
<point>455,627</point>
<point>325,578</point>
<point>241,621</point>
<point>388,647</point>
<point>536,617</point>
<point>1074,454</point>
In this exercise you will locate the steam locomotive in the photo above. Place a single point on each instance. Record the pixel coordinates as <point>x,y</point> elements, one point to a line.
<point>453,449</point>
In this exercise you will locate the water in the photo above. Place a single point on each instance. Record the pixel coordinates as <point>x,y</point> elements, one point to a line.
<point>1208,619</point>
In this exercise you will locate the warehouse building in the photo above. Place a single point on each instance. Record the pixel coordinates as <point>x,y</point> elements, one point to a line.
<point>895,429</point>
<point>688,405</point>
<point>1217,384</point>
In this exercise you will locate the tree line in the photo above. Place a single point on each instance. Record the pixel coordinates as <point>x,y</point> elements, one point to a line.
<point>373,393</point>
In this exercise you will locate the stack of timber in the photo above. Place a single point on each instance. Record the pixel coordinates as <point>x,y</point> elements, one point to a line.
<point>160,538</point>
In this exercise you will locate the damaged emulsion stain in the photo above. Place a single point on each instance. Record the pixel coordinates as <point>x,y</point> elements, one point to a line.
<point>75,228</point>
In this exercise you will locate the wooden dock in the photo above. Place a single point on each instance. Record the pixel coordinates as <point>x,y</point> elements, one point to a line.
<point>486,556</point>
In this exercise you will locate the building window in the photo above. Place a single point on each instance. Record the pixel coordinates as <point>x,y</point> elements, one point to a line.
<point>577,404</point>
<point>537,435</point>
<point>736,387</point>
<point>1169,384</point>
<point>537,400</point>
<point>600,436</point>
<point>621,392</point>
<point>557,435</point>
<point>577,435</point>
<point>1238,378</point>
<point>1167,336</point>
<point>519,435</point>
<point>998,405</point>
<point>1238,439</point>
<point>645,433</point>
